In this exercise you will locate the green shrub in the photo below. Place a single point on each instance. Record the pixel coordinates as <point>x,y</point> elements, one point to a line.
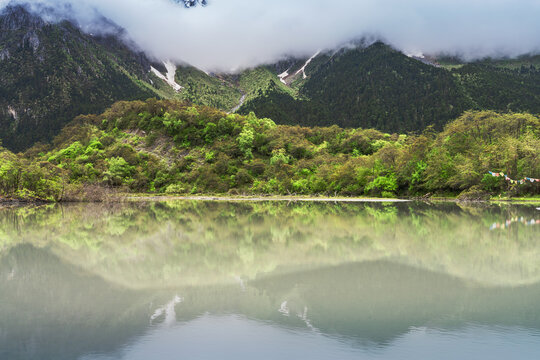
<point>383,184</point>
<point>119,171</point>
<point>175,189</point>
<point>279,156</point>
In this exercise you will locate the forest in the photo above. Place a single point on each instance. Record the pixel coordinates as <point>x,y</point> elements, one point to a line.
<point>379,87</point>
<point>173,147</point>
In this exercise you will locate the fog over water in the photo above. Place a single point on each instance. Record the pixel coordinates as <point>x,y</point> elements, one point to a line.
<point>234,34</point>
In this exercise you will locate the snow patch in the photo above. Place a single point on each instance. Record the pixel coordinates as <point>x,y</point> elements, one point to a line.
<point>303,68</point>
<point>168,310</point>
<point>169,78</point>
<point>13,113</point>
<point>415,54</point>
<point>283,76</point>
<point>240,103</point>
<point>284,309</point>
<point>171,74</point>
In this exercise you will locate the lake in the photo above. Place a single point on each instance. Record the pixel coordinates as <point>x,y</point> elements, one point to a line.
<point>270,280</point>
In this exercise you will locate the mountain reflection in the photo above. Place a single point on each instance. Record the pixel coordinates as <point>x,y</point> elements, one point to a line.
<point>78,280</point>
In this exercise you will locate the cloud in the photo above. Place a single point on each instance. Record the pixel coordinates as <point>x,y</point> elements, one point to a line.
<point>234,34</point>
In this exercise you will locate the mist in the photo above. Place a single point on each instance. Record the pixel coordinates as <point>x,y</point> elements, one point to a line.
<point>229,35</point>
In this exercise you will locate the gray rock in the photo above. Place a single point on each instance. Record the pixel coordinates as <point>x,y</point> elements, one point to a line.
<point>4,54</point>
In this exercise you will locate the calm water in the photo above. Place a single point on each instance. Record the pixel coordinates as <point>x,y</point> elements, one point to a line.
<point>208,280</point>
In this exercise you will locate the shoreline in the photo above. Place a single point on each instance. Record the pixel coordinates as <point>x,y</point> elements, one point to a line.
<point>261,198</point>
<point>119,198</point>
<point>308,198</point>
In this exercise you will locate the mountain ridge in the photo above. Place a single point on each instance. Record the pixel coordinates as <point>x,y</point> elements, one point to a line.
<point>51,72</point>
<point>377,86</point>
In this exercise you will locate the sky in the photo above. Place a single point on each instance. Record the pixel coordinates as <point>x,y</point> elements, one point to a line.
<point>230,35</point>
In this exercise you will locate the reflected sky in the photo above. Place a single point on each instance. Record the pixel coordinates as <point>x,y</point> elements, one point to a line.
<point>235,337</point>
<point>202,280</point>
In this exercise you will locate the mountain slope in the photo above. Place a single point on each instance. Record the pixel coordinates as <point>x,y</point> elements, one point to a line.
<point>379,87</point>
<point>382,88</point>
<point>203,89</point>
<point>50,73</point>
<point>500,87</point>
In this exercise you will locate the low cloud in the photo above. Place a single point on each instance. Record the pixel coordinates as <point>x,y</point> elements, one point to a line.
<point>234,34</point>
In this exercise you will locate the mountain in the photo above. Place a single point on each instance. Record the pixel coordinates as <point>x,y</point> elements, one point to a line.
<point>191,3</point>
<point>377,86</point>
<point>51,72</point>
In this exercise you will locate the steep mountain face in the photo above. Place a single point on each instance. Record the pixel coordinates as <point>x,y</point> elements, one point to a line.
<point>52,72</point>
<point>376,86</point>
<point>364,87</point>
<point>382,88</point>
<point>192,3</point>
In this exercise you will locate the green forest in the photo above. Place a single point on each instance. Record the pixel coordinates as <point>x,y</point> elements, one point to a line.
<point>379,87</point>
<point>173,147</point>
<point>52,72</point>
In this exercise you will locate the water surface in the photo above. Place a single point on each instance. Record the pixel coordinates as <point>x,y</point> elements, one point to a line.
<point>261,280</point>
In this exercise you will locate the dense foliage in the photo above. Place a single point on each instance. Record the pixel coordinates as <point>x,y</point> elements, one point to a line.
<point>202,89</point>
<point>207,241</point>
<point>379,87</point>
<point>50,73</point>
<point>501,88</point>
<point>173,147</point>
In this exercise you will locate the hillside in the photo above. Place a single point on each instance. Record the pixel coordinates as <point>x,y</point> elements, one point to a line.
<point>50,73</point>
<point>175,148</point>
<point>203,89</point>
<point>379,87</point>
<point>501,87</point>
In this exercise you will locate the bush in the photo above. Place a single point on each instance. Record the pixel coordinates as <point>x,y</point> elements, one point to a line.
<point>175,189</point>
<point>119,171</point>
<point>279,157</point>
<point>382,184</point>
<point>245,142</point>
<point>492,183</point>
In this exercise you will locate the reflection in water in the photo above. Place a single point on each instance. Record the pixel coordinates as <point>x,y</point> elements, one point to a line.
<point>192,279</point>
<point>509,222</point>
<point>157,245</point>
<point>233,337</point>
<point>168,311</point>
